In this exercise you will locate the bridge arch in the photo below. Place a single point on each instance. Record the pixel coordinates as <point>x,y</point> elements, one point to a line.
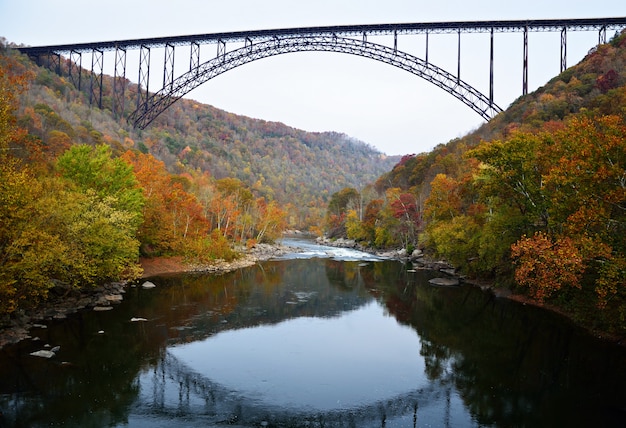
<point>154,105</point>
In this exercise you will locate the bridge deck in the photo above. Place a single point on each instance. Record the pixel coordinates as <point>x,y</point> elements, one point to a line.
<point>538,25</point>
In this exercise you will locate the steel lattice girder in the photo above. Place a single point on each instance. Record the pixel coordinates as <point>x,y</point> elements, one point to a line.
<point>161,100</point>
<point>257,36</point>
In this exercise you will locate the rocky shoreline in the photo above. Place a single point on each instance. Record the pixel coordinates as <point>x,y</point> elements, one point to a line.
<point>417,257</point>
<point>63,301</point>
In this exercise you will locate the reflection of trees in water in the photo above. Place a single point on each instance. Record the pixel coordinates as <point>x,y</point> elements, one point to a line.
<point>100,385</point>
<point>512,364</point>
<point>95,388</point>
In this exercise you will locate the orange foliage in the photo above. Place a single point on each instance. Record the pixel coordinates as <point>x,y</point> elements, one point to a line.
<point>545,266</point>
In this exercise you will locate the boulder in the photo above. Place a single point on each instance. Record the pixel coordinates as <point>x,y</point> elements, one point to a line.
<point>444,282</point>
<point>148,285</point>
<point>43,354</point>
<point>114,298</point>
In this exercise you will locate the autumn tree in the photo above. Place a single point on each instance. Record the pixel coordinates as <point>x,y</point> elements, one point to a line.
<point>174,221</point>
<point>340,203</point>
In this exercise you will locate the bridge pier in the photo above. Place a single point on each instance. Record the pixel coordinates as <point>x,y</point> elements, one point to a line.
<point>491,68</point>
<point>168,66</point>
<point>144,75</point>
<point>75,65</point>
<point>563,49</point>
<point>119,83</point>
<point>525,66</point>
<point>602,35</point>
<point>97,66</point>
<point>194,58</point>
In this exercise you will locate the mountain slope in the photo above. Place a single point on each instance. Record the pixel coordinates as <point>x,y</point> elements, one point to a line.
<point>278,162</point>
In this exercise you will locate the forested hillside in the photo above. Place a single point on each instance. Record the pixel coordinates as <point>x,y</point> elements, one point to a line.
<point>297,169</point>
<point>83,197</point>
<point>534,200</point>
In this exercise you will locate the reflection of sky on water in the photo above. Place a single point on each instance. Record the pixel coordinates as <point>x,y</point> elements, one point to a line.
<point>313,363</point>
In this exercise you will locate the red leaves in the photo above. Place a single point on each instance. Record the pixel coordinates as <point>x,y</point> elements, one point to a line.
<point>607,81</point>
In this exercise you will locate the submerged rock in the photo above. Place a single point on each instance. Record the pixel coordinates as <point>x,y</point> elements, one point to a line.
<point>444,281</point>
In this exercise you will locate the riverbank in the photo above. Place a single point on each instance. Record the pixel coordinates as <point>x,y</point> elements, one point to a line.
<point>420,261</point>
<point>249,256</point>
<point>63,301</point>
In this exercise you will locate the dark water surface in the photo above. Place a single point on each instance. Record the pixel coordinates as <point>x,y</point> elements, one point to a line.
<point>328,341</point>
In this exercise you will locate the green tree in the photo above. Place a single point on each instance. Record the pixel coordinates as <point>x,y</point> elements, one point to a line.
<point>94,168</point>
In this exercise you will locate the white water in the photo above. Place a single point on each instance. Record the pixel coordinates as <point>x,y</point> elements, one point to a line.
<point>310,250</point>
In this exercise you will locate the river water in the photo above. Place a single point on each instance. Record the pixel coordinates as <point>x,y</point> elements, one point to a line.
<point>324,338</point>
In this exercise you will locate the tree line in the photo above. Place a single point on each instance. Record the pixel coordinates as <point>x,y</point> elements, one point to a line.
<point>82,214</point>
<point>535,200</point>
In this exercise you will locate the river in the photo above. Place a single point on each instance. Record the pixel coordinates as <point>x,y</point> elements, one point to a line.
<point>323,338</point>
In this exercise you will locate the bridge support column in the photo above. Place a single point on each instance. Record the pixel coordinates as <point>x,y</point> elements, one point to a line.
<point>602,35</point>
<point>426,48</point>
<point>395,41</point>
<point>221,49</point>
<point>76,62</point>
<point>119,83</point>
<point>491,69</point>
<point>563,49</point>
<point>168,66</point>
<point>194,58</point>
<point>458,52</point>
<point>97,63</point>
<point>525,70</point>
<point>53,62</point>
<point>144,75</point>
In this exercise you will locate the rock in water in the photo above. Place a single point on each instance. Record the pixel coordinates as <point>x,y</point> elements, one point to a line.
<point>148,285</point>
<point>43,354</point>
<point>444,281</point>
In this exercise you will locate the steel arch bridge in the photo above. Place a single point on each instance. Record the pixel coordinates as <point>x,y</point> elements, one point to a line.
<point>254,45</point>
<point>157,103</point>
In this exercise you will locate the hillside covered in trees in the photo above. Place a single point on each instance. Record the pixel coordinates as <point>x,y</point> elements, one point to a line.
<point>534,200</point>
<point>297,169</point>
<point>83,197</point>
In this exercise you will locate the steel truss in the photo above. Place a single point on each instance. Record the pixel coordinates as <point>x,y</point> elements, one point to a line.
<point>350,39</point>
<point>157,103</point>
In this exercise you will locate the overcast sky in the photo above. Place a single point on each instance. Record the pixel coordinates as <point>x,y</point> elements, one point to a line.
<point>393,110</point>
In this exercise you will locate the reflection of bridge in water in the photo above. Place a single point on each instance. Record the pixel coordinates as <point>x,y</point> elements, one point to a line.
<point>173,390</point>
